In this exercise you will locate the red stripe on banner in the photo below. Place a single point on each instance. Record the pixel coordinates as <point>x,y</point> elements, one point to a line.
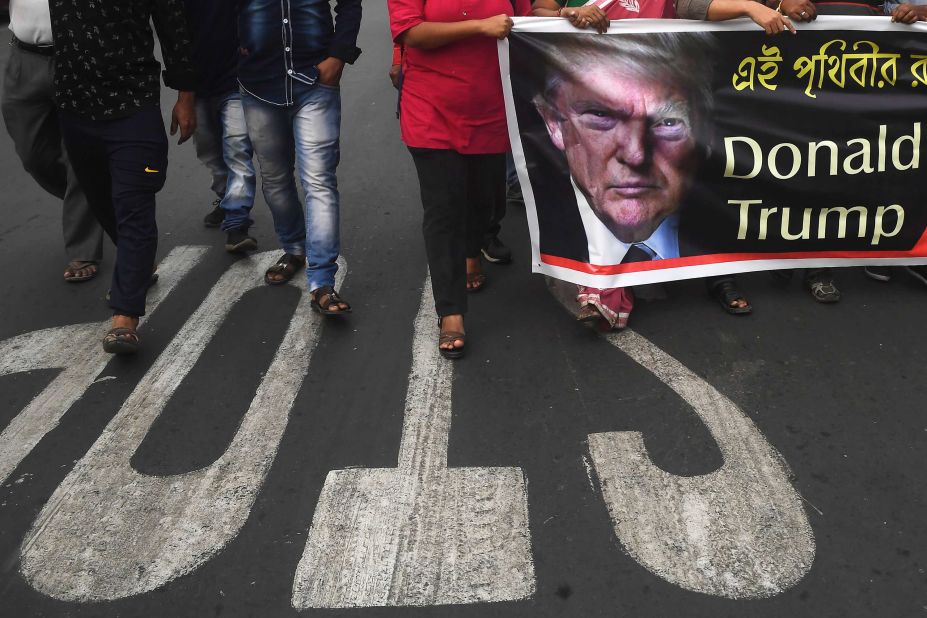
<point>919,250</point>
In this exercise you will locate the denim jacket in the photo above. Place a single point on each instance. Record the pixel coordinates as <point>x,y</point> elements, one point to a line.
<point>284,40</point>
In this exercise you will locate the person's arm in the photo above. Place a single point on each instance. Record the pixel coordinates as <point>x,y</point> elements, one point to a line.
<point>589,16</point>
<point>396,66</point>
<point>766,18</point>
<point>431,34</point>
<point>343,48</point>
<point>170,21</point>
<point>909,13</point>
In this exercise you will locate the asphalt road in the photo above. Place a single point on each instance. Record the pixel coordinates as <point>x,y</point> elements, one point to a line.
<point>838,391</point>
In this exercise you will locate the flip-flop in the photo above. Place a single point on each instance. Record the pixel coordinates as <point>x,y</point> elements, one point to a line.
<point>478,281</point>
<point>75,266</point>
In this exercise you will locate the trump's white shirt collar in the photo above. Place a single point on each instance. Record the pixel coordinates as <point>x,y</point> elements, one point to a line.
<point>606,250</point>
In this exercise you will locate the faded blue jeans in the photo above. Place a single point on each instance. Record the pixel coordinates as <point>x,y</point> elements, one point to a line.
<point>222,145</point>
<point>304,135</point>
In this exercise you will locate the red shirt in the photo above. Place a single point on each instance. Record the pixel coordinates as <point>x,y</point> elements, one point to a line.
<point>452,95</point>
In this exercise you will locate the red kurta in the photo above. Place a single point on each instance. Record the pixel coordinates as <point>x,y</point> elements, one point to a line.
<point>452,96</point>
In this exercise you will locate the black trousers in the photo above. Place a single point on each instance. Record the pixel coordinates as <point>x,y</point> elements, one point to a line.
<point>459,192</point>
<point>121,164</point>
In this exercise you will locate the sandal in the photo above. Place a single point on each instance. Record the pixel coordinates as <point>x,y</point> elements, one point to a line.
<point>727,295</point>
<point>286,267</point>
<point>324,297</point>
<point>450,337</point>
<point>121,341</point>
<point>589,313</point>
<point>824,291</point>
<point>80,270</point>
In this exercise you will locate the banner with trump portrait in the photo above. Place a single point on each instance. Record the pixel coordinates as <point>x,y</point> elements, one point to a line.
<point>673,149</point>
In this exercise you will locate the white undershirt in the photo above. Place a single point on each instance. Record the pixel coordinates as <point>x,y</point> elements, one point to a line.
<point>30,21</point>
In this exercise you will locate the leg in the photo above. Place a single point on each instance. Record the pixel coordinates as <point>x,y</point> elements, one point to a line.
<point>90,163</point>
<point>135,144</point>
<point>485,196</point>
<point>492,248</point>
<point>316,130</point>
<point>442,176</point>
<point>32,122</point>
<point>208,142</point>
<point>271,133</point>
<point>237,154</point>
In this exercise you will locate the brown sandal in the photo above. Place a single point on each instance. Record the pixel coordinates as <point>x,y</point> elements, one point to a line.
<point>451,336</point>
<point>324,297</point>
<point>286,267</point>
<point>121,340</point>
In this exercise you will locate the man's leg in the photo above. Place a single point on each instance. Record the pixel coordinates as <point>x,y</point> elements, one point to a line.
<point>208,142</point>
<point>137,149</point>
<point>271,132</point>
<point>316,130</point>
<point>237,153</point>
<point>32,121</point>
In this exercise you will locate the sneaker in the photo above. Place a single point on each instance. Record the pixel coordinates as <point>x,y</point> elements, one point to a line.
<point>497,253</point>
<point>216,216</point>
<point>824,290</point>
<point>879,273</point>
<point>238,241</point>
<point>918,272</point>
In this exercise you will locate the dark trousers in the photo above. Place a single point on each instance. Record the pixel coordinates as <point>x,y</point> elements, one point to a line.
<point>121,164</point>
<point>458,194</point>
<point>28,104</point>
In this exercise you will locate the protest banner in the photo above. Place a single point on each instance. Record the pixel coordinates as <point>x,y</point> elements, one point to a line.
<point>672,149</point>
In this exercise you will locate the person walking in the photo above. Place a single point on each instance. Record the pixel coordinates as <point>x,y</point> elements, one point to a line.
<point>108,92</point>
<point>452,119</point>
<point>292,58</point>
<point>221,137</point>
<point>31,119</point>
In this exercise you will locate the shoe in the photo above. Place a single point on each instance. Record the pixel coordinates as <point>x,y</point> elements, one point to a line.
<point>497,253</point>
<point>824,290</point>
<point>238,241</point>
<point>216,216</point>
<point>918,272</point>
<point>513,195</point>
<point>879,273</point>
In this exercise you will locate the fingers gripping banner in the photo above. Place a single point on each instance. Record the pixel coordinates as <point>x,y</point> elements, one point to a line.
<point>671,149</point>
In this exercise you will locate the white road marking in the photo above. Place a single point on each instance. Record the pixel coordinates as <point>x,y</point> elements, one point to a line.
<point>739,532</point>
<point>76,351</point>
<point>421,533</point>
<point>109,532</point>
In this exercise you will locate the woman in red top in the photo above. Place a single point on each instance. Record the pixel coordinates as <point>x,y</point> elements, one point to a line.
<point>452,118</point>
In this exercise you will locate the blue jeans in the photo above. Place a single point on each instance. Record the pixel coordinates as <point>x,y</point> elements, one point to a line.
<point>304,135</point>
<point>222,145</point>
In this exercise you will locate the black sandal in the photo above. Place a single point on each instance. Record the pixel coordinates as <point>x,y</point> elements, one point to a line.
<point>121,340</point>
<point>286,266</point>
<point>450,337</point>
<point>726,293</point>
<point>324,297</point>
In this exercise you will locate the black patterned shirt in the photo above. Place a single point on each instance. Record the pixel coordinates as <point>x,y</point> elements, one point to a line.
<point>104,62</point>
